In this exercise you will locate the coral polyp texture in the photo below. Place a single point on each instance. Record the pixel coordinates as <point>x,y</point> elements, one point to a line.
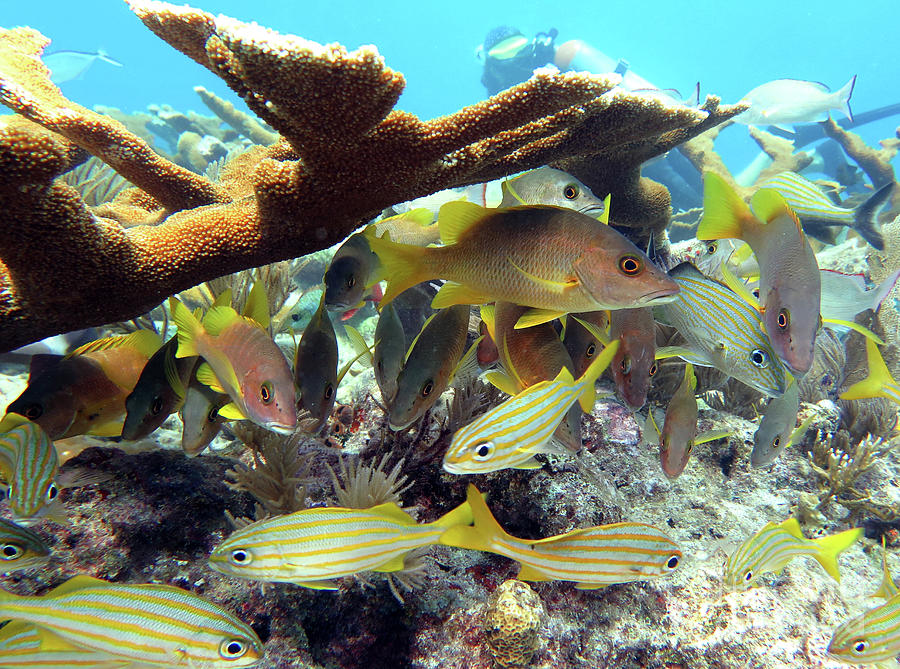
<point>344,155</point>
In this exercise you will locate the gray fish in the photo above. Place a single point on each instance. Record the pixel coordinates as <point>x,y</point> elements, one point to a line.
<point>390,348</point>
<point>580,343</point>
<point>774,432</point>
<point>350,270</point>
<point>430,365</point>
<point>783,102</point>
<point>316,366</point>
<point>547,185</point>
<point>200,415</point>
<point>680,427</point>
<point>68,65</point>
<point>158,392</point>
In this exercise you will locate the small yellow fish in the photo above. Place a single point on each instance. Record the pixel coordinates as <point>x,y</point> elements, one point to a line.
<point>789,282</point>
<point>593,557</point>
<point>241,360</point>
<point>312,547</point>
<point>770,549</point>
<point>552,259</point>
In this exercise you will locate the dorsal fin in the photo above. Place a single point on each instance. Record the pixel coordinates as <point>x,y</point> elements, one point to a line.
<point>604,217</point>
<point>257,306</point>
<point>768,204</point>
<point>454,218</point>
<point>146,342</point>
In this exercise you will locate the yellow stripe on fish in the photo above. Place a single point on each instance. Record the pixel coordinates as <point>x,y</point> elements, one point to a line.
<point>873,636</point>
<point>510,434</point>
<point>24,646</point>
<point>314,546</point>
<point>29,463</point>
<point>878,382</point>
<point>723,331</point>
<point>20,548</point>
<point>776,544</point>
<point>150,623</point>
<point>593,557</point>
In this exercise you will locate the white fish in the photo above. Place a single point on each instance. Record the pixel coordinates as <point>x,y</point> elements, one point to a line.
<point>845,295</point>
<point>68,65</point>
<point>784,102</point>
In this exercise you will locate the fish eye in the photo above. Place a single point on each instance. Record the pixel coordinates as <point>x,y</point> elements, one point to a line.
<point>859,646</point>
<point>351,281</point>
<point>591,349</point>
<point>654,368</point>
<point>52,492</point>
<point>748,576</point>
<point>427,388</point>
<point>570,192</point>
<point>784,318</point>
<point>329,391</point>
<point>231,649</point>
<point>759,358</point>
<point>777,441</point>
<point>265,393</point>
<point>33,411</point>
<point>712,247</point>
<point>756,293</point>
<point>9,493</point>
<point>630,265</point>
<point>826,381</point>
<point>484,450</point>
<point>625,365</point>
<point>212,415</point>
<point>240,556</point>
<point>11,552</point>
<point>156,406</point>
<point>672,562</point>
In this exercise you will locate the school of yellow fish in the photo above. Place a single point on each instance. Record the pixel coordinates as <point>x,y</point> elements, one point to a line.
<point>562,296</point>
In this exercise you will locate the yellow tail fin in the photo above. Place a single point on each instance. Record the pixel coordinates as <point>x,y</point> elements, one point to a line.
<point>188,329</point>
<point>830,547</point>
<point>879,376</point>
<point>401,264</point>
<point>480,537</point>
<point>592,373</point>
<point>724,212</point>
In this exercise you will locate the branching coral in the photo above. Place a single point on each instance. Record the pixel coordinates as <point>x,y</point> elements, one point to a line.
<point>876,163</point>
<point>344,156</point>
<point>242,123</point>
<point>362,486</point>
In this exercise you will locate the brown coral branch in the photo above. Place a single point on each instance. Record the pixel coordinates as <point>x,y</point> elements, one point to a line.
<point>243,123</point>
<point>25,87</point>
<point>344,156</point>
<point>781,151</point>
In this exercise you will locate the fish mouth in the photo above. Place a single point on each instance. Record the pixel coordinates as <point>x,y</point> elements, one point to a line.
<point>280,428</point>
<point>592,211</point>
<point>661,296</point>
<point>453,468</point>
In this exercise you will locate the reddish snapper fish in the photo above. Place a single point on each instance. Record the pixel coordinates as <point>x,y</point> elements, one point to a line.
<point>789,282</point>
<point>635,360</point>
<point>242,361</point>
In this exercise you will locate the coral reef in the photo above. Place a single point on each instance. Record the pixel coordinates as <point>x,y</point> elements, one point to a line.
<point>512,621</point>
<point>876,163</point>
<point>343,156</point>
<point>242,123</point>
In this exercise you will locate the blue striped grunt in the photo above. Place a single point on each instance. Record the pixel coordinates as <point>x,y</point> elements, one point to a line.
<point>819,214</point>
<point>155,624</point>
<point>20,548</point>
<point>871,637</point>
<point>29,463</point>
<point>312,547</point>
<point>789,282</point>
<point>593,557</point>
<point>878,382</point>
<point>510,434</point>
<point>722,331</point>
<point>776,544</point>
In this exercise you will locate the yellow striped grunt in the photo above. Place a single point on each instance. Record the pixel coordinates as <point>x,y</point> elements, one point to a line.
<point>432,361</point>
<point>878,382</point>
<point>510,434</point>
<point>819,214</point>
<point>722,331</point>
<point>776,544</point>
<point>871,637</point>
<point>29,463</point>
<point>593,557</point>
<point>241,360</point>
<point>20,548</point>
<point>549,258</point>
<point>155,624</point>
<point>314,546</point>
<point>789,282</point>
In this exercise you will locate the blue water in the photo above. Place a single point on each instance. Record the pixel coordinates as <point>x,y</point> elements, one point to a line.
<point>728,47</point>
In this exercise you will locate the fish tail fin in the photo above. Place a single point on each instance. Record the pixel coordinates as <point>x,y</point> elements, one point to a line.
<point>725,214</point>
<point>486,529</point>
<point>461,515</point>
<point>828,549</point>
<point>879,376</point>
<point>592,373</point>
<point>843,97</point>
<point>865,219</point>
<point>883,290</point>
<point>401,264</point>
<point>188,328</point>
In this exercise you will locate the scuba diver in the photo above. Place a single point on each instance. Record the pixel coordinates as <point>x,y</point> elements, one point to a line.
<point>510,58</point>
